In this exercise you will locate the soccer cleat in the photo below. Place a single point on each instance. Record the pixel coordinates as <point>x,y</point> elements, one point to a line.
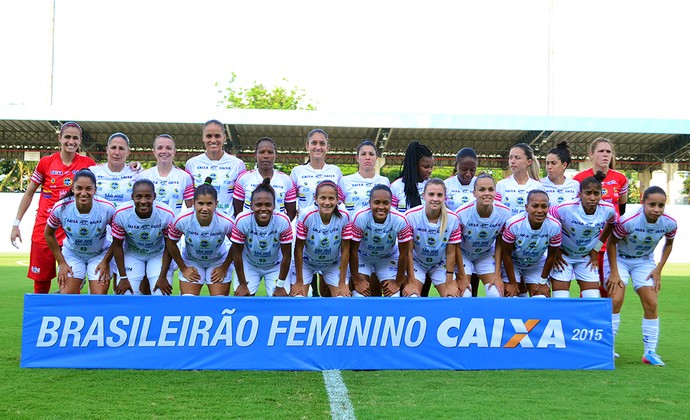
<point>653,359</point>
<point>616,355</point>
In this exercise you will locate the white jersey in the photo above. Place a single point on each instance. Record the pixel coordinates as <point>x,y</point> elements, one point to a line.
<point>306,178</point>
<point>479,234</point>
<point>204,245</point>
<point>638,238</point>
<point>322,242</point>
<point>559,194</point>
<point>429,246</point>
<point>173,189</point>
<point>514,195</point>
<point>379,240</point>
<point>457,195</point>
<point>530,244</point>
<point>286,191</point>
<point>142,237</point>
<point>356,190</point>
<point>581,231</point>
<point>86,233</point>
<point>115,187</point>
<point>262,243</point>
<point>223,172</point>
<point>399,201</point>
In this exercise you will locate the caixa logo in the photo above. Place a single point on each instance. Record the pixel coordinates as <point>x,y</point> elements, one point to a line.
<point>500,332</point>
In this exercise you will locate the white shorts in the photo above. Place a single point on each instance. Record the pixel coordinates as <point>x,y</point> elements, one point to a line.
<point>331,274</point>
<point>530,275</point>
<point>576,269</point>
<point>253,276</point>
<point>437,273</point>
<point>384,268</point>
<point>151,267</point>
<point>205,272</point>
<point>483,264</point>
<point>637,268</point>
<point>83,267</point>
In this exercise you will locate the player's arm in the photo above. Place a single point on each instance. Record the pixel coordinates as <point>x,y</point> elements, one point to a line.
<point>24,205</point>
<point>298,287</point>
<point>656,273</point>
<point>510,289</point>
<point>122,284</point>
<point>284,269</point>
<point>614,280</point>
<point>242,288</point>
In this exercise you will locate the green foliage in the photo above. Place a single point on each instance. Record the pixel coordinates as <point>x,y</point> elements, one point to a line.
<point>15,174</point>
<point>633,187</point>
<point>258,96</point>
<point>686,183</point>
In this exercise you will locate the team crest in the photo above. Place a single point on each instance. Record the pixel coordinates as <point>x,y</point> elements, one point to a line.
<point>263,244</point>
<point>144,236</point>
<point>67,181</point>
<point>83,231</point>
<point>204,244</point>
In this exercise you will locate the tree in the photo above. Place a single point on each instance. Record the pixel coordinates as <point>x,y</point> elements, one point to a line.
<point>15,174</point>
<point>258,97</point>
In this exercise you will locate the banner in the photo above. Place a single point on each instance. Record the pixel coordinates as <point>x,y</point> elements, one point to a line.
<point>183,332</point>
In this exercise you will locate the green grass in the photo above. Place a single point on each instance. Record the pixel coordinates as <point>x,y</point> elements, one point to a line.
<point>632,390</point>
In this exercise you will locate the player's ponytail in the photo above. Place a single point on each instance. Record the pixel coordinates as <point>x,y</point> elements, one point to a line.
<point>265,186</point>
<point>206,189</point>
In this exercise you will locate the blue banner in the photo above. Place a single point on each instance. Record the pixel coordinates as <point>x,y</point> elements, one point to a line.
<point>181,332</point>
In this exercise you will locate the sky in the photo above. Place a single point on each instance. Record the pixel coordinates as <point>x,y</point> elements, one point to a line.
<point>589,58</point>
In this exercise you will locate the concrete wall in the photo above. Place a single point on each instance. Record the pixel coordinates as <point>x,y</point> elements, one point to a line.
<point>9,202</point>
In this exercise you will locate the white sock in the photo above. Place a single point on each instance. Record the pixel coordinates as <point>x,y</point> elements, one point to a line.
<point>591,293</point>
<point>650,333</point>
<point>560,294</point>
<point>357,294</point>
<point>413,295</point>
<point>467,293</point>
<point>615,322</point>
<point>538,296</point>
<point>523,295</point>
<point>492,292</point>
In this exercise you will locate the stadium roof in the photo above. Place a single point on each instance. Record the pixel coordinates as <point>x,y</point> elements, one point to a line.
<point>639,143</point>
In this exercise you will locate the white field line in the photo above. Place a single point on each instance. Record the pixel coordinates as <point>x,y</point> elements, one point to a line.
<point>24,263</point>
<point>341,406</point>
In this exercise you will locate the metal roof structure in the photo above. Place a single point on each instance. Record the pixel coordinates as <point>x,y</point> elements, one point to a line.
<point>639,143</point>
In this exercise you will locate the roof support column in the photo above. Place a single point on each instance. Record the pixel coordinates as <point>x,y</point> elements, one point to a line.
<point>670,169</point>
<point>645,178</point>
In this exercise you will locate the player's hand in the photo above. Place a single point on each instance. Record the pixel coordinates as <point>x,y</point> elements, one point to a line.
<point>64,273</point>
<point>390,287</point>
<point>411,289</point>
<point>511,289</point>
<point>242,290</point>
<point>593,260</point>
<point>362,287</point>
<point>14,235</point>
<point>655,275</point>
<point>497,282</point>
<point>344,290</point>
<point>560,262</point>
<point>123,286</point>
<point>218,274</point>
<point>163,285</point>
<point>191,274</point>
<point>452,289</point>
<point>297,289</point>
<point>103,273</point>
<point>463,283</point>
<point>280,292</point>
<point>613,284</point>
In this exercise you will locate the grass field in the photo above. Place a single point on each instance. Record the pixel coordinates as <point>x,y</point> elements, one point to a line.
<point>632,390</point>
